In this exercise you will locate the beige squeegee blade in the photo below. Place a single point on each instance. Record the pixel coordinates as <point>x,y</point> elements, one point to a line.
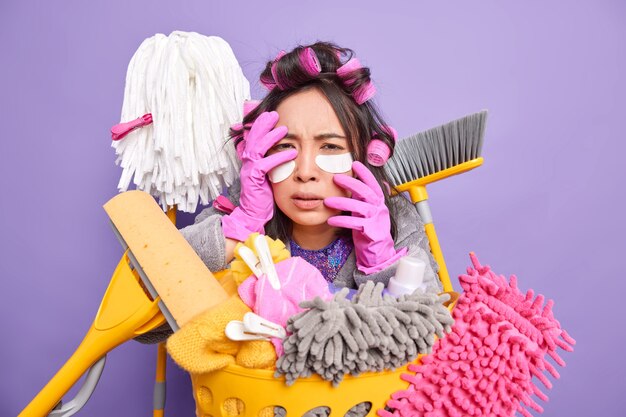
<point>181,279</point>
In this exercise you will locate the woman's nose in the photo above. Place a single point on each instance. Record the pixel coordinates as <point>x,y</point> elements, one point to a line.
<point>306,168</point>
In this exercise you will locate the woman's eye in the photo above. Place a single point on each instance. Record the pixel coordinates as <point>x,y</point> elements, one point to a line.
<point>283,147</point>
<point>332,147</point>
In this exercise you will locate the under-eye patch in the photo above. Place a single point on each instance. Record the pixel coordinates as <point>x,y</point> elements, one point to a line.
<point>281,172</point>
<point>335,164</point>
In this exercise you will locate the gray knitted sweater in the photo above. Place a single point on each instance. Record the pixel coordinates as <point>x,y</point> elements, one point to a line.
<point>207,239</point>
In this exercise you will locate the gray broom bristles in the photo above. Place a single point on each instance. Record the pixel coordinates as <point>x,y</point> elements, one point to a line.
<point>194,88</point>
<point>436,149</point>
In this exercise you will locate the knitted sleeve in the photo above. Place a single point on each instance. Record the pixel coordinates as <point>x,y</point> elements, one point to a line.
<point>207,239</point>
<point>206,236</point>
<point>411,235</point>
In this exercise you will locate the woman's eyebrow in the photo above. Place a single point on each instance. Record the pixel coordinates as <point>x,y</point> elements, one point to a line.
<point>329,136</point>
<point>321,136</point>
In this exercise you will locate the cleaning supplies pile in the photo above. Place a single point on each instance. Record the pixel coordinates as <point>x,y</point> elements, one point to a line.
<point>275,291</point>
<point>372,332</point>
<point>182,94</point>
<point>500,341</point>
<point>329,335</point>
<point>238,331</point>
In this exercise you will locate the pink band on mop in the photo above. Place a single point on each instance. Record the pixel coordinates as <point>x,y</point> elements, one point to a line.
<point>309,61</point>
<point>223,204</point>
<point>120,130</point>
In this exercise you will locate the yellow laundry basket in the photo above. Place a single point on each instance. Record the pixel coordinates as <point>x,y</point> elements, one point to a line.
<point>257,390</point>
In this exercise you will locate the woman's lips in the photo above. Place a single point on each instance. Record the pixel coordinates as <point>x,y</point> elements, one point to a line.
<point>307,204</point>
<point>306,201</point>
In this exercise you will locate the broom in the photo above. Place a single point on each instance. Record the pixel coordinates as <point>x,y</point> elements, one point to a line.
<point>426,157</point>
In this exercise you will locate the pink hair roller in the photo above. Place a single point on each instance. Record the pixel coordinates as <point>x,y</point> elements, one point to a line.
<point>344,71</point>
<point>269,85</point>
<point>249,105</point>
<point>310,62</point>
<point>377,152</point>
<point>273,68</point>
<point>364,93</point>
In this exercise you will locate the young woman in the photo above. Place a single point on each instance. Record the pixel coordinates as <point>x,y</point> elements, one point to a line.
<point>306,177</point>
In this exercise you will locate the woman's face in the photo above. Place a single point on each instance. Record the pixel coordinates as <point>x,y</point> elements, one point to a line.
<point>313,130</point>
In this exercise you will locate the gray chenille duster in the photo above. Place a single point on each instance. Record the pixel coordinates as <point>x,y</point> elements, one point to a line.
<point>207,239</point>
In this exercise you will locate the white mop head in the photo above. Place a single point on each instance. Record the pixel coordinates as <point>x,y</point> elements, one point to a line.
<point>194,88</point>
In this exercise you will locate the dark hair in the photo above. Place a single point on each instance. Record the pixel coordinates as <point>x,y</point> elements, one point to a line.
<point>359,122</point>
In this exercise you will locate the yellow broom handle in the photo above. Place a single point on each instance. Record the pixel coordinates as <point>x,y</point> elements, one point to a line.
<point>419,196</point>
<point>436,250</point>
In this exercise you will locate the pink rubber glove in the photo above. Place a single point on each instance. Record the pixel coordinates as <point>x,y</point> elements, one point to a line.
<point>370,222</point>
<point>256,202</point>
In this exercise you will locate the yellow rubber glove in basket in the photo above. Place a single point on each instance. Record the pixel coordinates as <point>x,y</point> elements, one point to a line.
<point>202,346</point>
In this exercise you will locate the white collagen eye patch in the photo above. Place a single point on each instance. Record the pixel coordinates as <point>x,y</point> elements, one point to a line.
<point>281,172</point>
<point>333,164</point>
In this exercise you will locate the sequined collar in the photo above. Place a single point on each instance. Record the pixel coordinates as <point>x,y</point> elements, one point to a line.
<point>329,259</point>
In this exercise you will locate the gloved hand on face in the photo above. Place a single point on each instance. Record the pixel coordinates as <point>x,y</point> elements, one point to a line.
<point>370,221</point>
<point>256,203</point>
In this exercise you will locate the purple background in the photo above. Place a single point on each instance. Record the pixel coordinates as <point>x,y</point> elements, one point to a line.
<point>544,206</point>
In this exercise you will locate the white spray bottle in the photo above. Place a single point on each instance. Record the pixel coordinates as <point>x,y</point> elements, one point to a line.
<point>409,277</point>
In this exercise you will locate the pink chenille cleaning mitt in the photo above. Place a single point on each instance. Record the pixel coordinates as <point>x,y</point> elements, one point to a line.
<point>299,281</point>
<point>485,367</point>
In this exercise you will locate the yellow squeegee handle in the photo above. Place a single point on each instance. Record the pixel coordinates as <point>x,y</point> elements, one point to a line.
<point>126,311</point>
